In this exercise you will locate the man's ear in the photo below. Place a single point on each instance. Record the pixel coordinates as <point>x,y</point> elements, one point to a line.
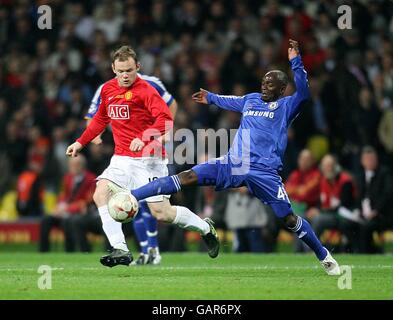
<point>138,66</point>
<point>113,68</point>
<point>282,90</point>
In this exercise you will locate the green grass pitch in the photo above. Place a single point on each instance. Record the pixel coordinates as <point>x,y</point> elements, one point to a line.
<point>195,276</point>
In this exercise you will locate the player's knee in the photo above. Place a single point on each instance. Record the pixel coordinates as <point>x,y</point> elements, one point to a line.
<point>158,213</point>
<point>188,178</point>
<point>100,195</point>
<point>290,220</point>
<point>96,196</point>
<point>161,211</point>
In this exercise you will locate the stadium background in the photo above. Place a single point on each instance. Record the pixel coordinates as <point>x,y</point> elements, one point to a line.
<point>48,77</point>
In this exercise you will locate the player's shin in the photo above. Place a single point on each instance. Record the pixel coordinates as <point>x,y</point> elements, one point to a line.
<point>164,185</point>
<point>188,220</point>
<point>307,235</point>
<point>112,229</point>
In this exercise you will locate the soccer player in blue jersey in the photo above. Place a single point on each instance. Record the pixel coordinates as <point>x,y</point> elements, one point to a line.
<point>145,224</point>
<point>255,158</point>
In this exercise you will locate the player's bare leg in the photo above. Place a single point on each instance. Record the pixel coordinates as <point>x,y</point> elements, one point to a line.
<point>112,229</point>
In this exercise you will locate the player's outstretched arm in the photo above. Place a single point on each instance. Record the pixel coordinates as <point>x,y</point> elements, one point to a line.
<point>300,77</point>
<point>232,103</point>
<point>293,50</point>
<point>97,140</point>
<point>93,109</point>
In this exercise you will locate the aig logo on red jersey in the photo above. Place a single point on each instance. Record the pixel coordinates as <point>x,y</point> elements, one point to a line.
<point>118,112</point>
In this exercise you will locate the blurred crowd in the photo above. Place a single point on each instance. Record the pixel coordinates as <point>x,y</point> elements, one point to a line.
<point>48,77</point>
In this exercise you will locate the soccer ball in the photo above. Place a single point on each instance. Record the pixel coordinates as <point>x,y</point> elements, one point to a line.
<point>123,207</point>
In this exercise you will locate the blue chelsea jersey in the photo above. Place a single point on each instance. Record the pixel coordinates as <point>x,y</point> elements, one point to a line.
<point>262,135</point>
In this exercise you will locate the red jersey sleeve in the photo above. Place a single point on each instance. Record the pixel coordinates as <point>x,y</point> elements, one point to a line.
<point>160,112</point>
<point>98,124</point>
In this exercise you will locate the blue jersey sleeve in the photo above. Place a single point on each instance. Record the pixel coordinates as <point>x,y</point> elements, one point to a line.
<point>95,103</point>
<point>159,86</point>
<point>232,103</point>
<point>302,89</point>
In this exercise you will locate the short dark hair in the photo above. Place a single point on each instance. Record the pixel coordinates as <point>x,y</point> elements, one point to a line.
<point>123,54</point>
<point>368,149</point>
<point>281,76</point>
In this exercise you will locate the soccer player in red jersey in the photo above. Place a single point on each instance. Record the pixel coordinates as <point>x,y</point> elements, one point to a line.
<point>139,119</point>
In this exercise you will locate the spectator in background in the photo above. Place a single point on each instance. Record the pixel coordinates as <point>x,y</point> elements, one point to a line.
<point>303,184</point>
<point>375,195</point>
<point>15,146</point>
<point>253,223</point>
<point>90,222</point>
<point>385,134</point>
<point>109,19</point>
<point>74,200</point>
<point>302,187</point>
<point>30,192</point>
<point>337,194</point>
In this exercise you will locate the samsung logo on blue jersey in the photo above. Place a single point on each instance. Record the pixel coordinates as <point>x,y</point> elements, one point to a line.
<point>266,114</point>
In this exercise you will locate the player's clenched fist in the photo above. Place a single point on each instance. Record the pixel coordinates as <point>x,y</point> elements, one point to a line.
<point>73,149</point>
<point>200,96</point>
<point>293,49</point>
<point>137,145</point>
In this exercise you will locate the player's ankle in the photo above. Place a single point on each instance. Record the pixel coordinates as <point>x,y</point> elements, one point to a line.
<point>121,246</point>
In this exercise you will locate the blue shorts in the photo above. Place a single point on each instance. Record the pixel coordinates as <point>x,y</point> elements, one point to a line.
<point>263,182</point>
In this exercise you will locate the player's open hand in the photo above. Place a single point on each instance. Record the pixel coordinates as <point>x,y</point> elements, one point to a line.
<point>137,145</point>
<point>293,50</point>
<point>73,149</point>
<point>200,96</point>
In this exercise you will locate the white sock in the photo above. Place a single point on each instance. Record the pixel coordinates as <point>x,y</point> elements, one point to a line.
<point>188,220</point>
<point>112,229</point>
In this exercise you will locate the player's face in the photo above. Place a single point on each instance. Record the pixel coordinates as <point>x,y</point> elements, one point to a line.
<point>328,165</point>
<point>271,87</point>
<point>305,160</point>
<point>125,71</point>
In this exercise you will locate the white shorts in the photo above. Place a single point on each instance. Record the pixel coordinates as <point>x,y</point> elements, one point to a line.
<point>132,173</point>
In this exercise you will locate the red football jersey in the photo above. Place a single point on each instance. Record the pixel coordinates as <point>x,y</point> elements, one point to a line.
<point>77,199</point>
<point>137,111</point>
<point>331,191</point>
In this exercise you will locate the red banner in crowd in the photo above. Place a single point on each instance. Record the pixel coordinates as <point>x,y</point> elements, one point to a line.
<point>19,232</point>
